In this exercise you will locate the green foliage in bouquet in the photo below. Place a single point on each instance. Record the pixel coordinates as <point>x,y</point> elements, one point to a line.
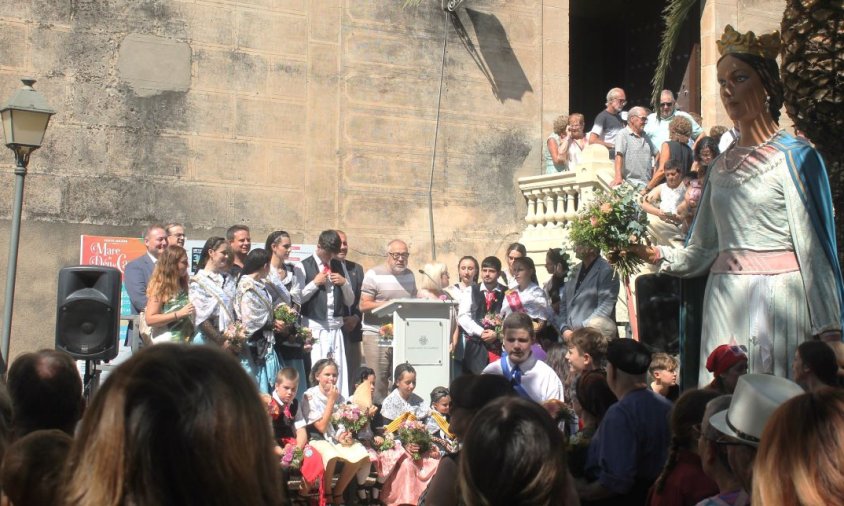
<point>612,223</point>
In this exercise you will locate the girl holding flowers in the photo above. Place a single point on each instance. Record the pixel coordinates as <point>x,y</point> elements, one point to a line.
<point>406,469</point>
<point>527,297</point>
<point>254,306</point>
<point>319,406</point>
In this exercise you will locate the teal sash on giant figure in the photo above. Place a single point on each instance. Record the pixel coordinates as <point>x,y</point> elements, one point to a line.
<point>812,181</point>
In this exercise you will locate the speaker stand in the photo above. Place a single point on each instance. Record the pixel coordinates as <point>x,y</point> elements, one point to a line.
<point>91,379</point>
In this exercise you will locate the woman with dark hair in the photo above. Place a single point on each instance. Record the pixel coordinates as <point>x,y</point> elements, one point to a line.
<point>557,265</point>
<point>815,366</point>
<point>706,150</point>
<point>514,455</point>
<point>283,289</point>
<point>254,307</point>
<point>211,291</point>
<point>764,228</point>
<point>175,425</point>
<point>527,297</point>
<point>514,251</point>
<point>169,311</point>
<point>683,480</point>
<point>468,271</point>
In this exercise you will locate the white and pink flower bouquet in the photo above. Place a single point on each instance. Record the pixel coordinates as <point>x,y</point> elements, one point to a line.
<point>235,335</point>
<point>613,222</point>
<point>286,313</point>
<point>414,432</point>
<point>292,457</point>
<point>351,417</point>
<point>493,321</point>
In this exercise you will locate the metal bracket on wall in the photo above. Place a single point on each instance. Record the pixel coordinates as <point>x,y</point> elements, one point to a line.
<point>451,5</point>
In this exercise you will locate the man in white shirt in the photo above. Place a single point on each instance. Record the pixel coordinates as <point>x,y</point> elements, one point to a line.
<point>326,296</point>
<point>530,377</point>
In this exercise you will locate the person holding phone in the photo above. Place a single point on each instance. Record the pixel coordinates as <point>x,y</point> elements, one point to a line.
<point>326,295</point>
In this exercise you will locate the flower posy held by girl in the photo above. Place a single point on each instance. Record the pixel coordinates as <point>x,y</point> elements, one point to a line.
<point>415,432</point>
<point>613,222</point>
<point>351,417</point>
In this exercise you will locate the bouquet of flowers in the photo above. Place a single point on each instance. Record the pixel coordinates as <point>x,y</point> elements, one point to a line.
<point>415,432</point>
<point>292,457</point>
<point>235,335</point>
<point>351,417</point>
<point>613,222</point>
<point>382,444</point>
<point>493,321</point>
<point>305,337</point>
<point>286,313</point>
<point>386,332</point>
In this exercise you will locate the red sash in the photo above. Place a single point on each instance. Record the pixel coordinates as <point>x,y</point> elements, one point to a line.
<point>515,301</point>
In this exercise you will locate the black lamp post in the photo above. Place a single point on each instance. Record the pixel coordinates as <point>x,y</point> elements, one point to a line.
<point>25,117</point>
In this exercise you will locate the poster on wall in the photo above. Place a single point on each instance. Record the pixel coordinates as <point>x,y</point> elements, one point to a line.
<point>112,252</point>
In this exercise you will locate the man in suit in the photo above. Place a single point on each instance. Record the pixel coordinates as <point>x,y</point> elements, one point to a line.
<point>138,271</point>
<point>352,328</point>
<point>591,291</point>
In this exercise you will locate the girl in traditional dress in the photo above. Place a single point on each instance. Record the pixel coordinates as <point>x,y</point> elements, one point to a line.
<point>280,282</point>
<point>438,424</point>
<point>333,443</point>
<point>527,297</point>
<point>212,292</point>
<point>254,306</point>
<point>764,228</point>
<point>169,311</point>
<point>404,478</point>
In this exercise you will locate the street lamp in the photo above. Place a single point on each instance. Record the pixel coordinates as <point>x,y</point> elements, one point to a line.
<point>25,117</point>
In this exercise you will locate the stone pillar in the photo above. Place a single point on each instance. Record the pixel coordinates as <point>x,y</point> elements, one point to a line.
<point>555,62</point>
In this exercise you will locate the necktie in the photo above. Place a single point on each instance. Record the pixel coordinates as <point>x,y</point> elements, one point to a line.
<point>490,298</point>
<point>517,375</point>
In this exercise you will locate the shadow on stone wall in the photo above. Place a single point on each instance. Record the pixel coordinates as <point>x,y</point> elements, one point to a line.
<point>493,55</point>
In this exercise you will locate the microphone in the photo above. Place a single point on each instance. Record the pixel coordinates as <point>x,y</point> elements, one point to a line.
<point>422,272</point>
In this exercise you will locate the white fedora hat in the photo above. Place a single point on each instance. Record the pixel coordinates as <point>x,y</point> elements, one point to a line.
<point>756,398</point>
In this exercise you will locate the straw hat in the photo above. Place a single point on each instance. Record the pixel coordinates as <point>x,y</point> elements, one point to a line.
<point>756,398</point>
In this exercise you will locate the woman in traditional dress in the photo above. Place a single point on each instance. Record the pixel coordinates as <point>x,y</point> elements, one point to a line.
<point>254,306</point>
<point>212,291</point>
<point>169,311</point>
<point>280,282</point>
<point>764,228</point>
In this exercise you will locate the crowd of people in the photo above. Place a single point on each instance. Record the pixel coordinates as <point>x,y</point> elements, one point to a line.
<point>266,382</point>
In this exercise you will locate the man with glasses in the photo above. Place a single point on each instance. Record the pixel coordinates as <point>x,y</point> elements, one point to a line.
<point>175,234</point>
<point>381,284</point>
<point>634,153</point>
<point>657,127</point>
<point>608,122</point>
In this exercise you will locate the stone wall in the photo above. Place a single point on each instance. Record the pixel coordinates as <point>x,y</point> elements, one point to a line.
<point>294,114</point>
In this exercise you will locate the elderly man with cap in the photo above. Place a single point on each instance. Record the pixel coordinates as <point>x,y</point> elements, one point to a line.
<point>631,445</point>
<point>726,363</point>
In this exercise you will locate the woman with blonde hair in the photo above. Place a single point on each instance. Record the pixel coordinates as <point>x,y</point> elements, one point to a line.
<point>552,153</point>
<point>799,457</point>
<point>169,311</point>
<point>433,280</point>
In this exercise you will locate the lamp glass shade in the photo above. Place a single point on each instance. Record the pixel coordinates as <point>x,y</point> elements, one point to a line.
<point>24,128</point>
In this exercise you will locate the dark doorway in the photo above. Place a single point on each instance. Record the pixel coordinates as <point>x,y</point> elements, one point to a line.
<point>616,43</point>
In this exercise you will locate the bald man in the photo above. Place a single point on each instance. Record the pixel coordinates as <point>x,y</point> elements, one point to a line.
<point>381,284</point>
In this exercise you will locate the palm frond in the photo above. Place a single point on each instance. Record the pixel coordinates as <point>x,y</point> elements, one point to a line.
<point>674,15</point>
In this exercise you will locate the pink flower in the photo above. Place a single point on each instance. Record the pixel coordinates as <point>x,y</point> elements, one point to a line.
<point>593,221</point>
<point>606,207</point>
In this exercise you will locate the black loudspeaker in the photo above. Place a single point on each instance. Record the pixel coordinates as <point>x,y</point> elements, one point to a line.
<point>88,312</point>
<point>658,304</point>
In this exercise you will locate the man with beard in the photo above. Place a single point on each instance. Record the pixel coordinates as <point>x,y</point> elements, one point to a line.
<point>381,284</point>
